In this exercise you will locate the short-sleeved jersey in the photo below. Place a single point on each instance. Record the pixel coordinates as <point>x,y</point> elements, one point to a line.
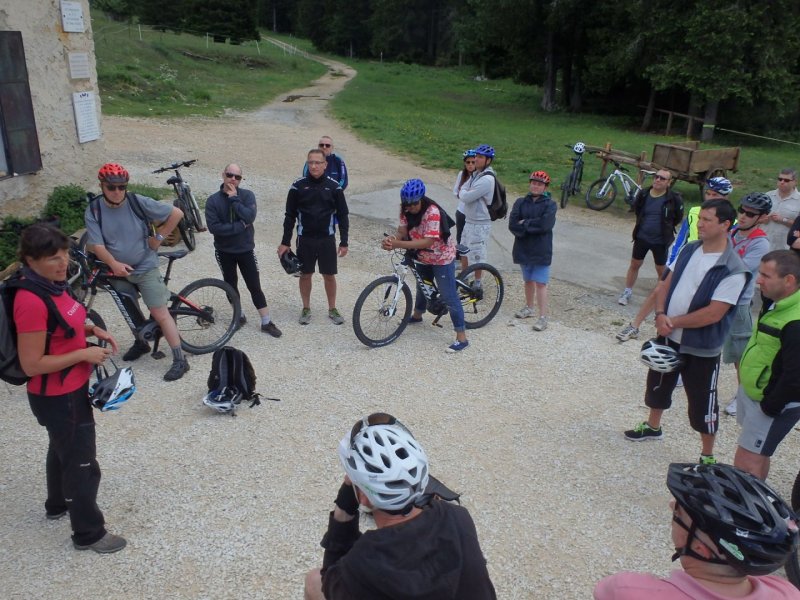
<point>441,253</point>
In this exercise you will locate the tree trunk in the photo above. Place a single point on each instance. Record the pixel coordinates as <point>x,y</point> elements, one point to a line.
<point>648,113</point>
<point>695,105</point>
<point>549,89</point>
<point>710,120</point>
<point>576,97</point>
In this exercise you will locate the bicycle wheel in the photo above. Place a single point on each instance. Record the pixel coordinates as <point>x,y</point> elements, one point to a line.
<point>377,319</point>
<point>192,211</point>
<point>95,319</point>
<point>576,183</point>
<point>565,190</point>
<point>481,304</point>
<point>77,270</point>
<point>601,194</point>
<point>207,313</point>
<point>793,564</point>
<point>187,234</point>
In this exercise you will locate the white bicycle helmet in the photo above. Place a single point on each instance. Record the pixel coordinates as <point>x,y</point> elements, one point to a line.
<point>660,357</point>
<point>223,401</point>
<point>110,392</point>
<point>386,463</point>
<point>579,148</point>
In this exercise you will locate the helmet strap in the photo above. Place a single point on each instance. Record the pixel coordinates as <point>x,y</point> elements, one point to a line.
<point>114,204</point>
<point>687,549</point>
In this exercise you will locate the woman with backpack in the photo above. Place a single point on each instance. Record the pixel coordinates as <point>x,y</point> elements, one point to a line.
<point>53,352</point>
<point>461,178</point>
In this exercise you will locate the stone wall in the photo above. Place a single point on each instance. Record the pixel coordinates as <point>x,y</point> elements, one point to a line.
<point>64,159</point>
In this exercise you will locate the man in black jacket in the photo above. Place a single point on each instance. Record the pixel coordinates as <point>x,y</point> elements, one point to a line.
<point>230,214</point>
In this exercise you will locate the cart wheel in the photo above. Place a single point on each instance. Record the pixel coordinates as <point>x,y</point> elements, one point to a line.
<point>715,172</point>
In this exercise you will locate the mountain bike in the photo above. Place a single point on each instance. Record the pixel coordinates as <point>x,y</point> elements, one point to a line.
<point>192,220</point>
<point>572,184</point>
<point>602,193</point>
<point>206,311</point>
<point>383,309</point>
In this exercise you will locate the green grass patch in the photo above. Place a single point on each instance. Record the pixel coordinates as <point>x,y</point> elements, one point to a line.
<point>169,74</point>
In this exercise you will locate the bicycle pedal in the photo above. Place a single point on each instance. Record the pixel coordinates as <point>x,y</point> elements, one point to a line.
<point>158,355</point>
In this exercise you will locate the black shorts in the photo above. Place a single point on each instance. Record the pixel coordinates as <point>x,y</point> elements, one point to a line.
<point>640,249</point>
<point>313,250</point>
<point>699,375</point>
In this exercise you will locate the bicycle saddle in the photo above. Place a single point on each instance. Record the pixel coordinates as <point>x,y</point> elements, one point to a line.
<point>174,254</point>
<point>173,179</point>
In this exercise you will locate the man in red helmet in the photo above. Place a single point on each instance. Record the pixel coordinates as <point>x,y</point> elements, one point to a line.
<point>122,232</point>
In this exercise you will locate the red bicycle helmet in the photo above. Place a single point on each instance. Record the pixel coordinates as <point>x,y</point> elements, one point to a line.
<point>113,173</point>
<point>540,176</point>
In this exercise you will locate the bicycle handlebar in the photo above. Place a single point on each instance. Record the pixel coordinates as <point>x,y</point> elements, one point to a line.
<point>176,165</point>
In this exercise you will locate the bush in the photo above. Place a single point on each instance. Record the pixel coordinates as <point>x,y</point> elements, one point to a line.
<point>67,203</point>
<point>10,229</point>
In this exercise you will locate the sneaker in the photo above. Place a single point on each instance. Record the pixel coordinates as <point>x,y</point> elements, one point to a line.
<point>55,516</point>
<point>731,408</point>
<point>138,349</point>
<point>624,297</point>
<point>105,545</point>
<point>177,370</point>
<point>413,319</point>
<point>524,312</point>
<point>679,383</point>
<point>643,432</point>
<point>305,317</point>
<point>707,459</point>
<point>457,346</point>
<point>541,324</point>
<point>629,332</point>
<point>335,316</point>
<point>272,329</point>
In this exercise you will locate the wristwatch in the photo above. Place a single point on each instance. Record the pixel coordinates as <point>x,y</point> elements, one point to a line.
<point>159,237</point>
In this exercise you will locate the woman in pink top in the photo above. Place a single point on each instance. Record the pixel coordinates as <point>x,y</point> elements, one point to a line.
<point>730,530</point>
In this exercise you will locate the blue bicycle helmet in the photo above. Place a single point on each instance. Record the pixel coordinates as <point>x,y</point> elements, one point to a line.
<point>485,150</point>
<point>469,153</point>
<point>719,185</point>
<point>412,191</point>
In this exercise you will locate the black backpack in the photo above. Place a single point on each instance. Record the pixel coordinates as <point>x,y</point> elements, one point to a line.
<point>231,380</point>
<point>10,369</point>
<point>136,207</point>
<point>498,207</point>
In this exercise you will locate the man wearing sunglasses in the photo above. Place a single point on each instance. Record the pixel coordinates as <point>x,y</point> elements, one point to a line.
<point>423,547</point>
<point>122,233</point>
<point>785,209</point>
<point>230,214</point>
<point>659,210</point>
<point>334,164</point>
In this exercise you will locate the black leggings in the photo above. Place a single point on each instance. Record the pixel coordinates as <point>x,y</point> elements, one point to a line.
<point>248,265</point>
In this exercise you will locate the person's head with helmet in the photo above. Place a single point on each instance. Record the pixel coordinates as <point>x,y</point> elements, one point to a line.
<point>538,183</point>
<point>113,179</point>
<point>484,155</point>
<point>754,209</point>
<point>717,188</point>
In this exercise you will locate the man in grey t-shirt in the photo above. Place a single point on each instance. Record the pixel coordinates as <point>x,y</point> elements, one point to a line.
<point>128,244</point>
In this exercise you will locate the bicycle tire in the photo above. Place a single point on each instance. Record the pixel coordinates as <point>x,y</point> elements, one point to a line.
<point>95,319</point>
<point>576,183</point>
<point>77,273</point>
<point>193,210</point>
<point>565,189</point>
<point>792,566</point>
<point>187,234</point>
<point>375,322</point>
<point>480,307</point>
<point>213,323</point>
<point>597,202</point>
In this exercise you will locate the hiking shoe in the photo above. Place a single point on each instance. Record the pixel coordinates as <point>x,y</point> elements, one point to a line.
<point>333,315</point>
<point>138,349</point>
<point>177,370</point>
<point>305,317</point>
<point>624,297</point>
<point>731,408</point>
<point>541,324</point>
<point>272,329</point>
<point>457,346</point>
<point>643,432</point>
<point>105,545</point>
<point>55,516</point>
<point>524,312</point>
<point>413,319</point>
<point>707,459</point>
<point>629,332</point>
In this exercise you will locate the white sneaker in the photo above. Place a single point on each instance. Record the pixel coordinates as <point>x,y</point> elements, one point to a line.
<point>629,332</point>
<point>524,313</point>
<point>624,297</point>
<point>731,408</point>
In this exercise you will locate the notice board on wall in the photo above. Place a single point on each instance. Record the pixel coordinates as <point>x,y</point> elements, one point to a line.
<point>86,116</point>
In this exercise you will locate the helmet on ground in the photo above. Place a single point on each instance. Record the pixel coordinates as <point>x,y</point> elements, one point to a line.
<point>485,150</point>
<point>386,463</point>
<point>757,201</point>
<point>579,148</point>
<point>290,263</point>
<point>412,191</point>
<point>110,391</point>
<point>754,529</point>
<point>469,153</point>
<point>719,185</point>
<point>540,176</point>
<point>660,357</point>
<point>113,173</point>
<point>223,401</point>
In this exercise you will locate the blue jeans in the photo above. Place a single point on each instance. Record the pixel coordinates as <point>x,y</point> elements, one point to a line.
<point>445,276</point>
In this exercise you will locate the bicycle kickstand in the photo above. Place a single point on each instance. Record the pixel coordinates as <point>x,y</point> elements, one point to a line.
<point>156,353</point>
<point>435,322</point>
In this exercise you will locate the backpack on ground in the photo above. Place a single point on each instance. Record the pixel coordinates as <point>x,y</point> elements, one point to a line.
<point>498,207</point>
<point>232,379</point>
<point>10,369</point>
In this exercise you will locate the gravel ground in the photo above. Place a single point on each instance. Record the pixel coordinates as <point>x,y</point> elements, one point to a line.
<point>527,425</point>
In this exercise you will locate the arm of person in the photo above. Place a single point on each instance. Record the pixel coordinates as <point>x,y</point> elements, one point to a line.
<point>392,242</point>
<point>342,534</point>
<point>793,238</point>
<point>343,181</point>
<point>702,316</point>
<point>215,216</point>
<point>481,187</point>
<point>663,324</point>
<point>118,268</point>
<point>787,388</point>
<point>289,219</point>
<point>543,223</point>
<point>244,205</point>
<point>102,335</point>
<point>516,224</point>
<point>342,216</point>
<point>33,360</point>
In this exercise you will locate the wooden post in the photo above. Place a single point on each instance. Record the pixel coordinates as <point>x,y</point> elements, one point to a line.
<point>607,150</point>
<point>640,176</point>
<point>669,122</point>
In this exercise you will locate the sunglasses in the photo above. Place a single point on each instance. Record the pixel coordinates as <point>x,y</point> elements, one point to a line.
<point>325,145</point>
<point>234,176</point>
<point>661,177</point>
<point>113,188</point>
<point>784,179</point>
<point>748,213</point>
<point>469,162</point>
<point>372,420</point>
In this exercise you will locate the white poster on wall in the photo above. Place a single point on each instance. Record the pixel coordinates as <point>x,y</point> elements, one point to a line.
<point>72,17</point>
<point>78,65</point>
<point>86,116</point>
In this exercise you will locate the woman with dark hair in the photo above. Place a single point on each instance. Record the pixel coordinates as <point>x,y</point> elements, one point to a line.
<point>59,362</point>
<point>462,178</point>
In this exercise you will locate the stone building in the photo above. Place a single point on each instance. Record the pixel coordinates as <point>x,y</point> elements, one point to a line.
<point>49,102</point>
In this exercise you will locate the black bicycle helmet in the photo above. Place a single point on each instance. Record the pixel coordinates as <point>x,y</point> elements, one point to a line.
<point>754,529</point>
<point>290,263</point>
<point>757,201</point>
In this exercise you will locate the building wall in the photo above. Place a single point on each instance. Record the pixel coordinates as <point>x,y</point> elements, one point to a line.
<point>64,160</point>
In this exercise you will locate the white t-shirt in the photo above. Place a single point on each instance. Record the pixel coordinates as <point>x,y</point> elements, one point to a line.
<point>700,263</point>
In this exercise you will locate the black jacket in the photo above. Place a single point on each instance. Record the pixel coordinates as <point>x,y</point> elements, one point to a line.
<point>670,218</point>
<point>316,205</point>
<point>230,221</point>
<point>533,236</point>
